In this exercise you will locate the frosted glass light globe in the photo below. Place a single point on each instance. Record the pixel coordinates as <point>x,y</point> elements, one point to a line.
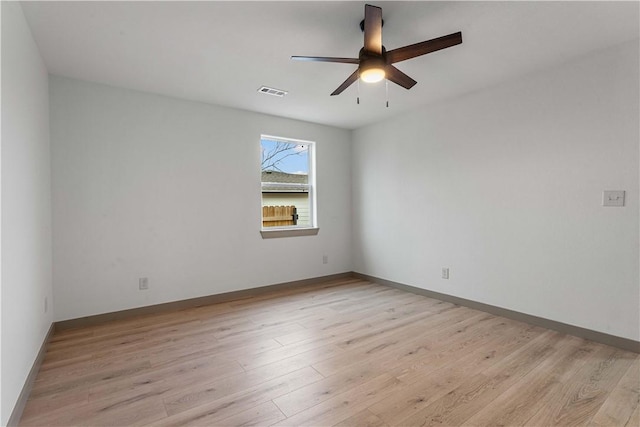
<point>372,75</point>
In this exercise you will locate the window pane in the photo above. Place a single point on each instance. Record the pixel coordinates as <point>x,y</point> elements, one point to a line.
<point>285,183</point>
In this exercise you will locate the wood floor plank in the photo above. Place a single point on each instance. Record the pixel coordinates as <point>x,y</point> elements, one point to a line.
<point>520,402</point>
<point>393,324</point>
<point>337,326</point>
<point>480,345</point>
<point>111,338</point>
<point>346,352</point>
<point>102,376</point>
<point>581,397</point>
<point>271,318</point>
<point>634,420</point>
<point>362,419</point>
<point>270,356</point>
<point>477,391</point>
<point>344,405</point>
<point>443,373</point>
<point>325,389</point>
<point>47,404</point>
<point>203,347</point>
<point>173,375</point>
<point>306,292</point>
<point>264,414</point>
<point>232,402</point>
<point>86,366</point>
<point>137,410</point>
<point>622,401</point>
<point>398,351</point>
<point>363,334</point>
<point>123,345</point>
<point>212,391</point>
<point>377,303</point>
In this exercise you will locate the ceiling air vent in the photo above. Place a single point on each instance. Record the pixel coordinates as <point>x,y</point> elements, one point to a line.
<point>272,91</point>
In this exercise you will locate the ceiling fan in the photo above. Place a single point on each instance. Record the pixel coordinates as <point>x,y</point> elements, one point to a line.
<point>374,61</point>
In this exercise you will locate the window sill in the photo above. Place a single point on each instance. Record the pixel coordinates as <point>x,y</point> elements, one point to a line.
<point>289,232</point>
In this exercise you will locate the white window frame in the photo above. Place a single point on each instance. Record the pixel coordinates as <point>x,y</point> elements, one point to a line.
<point>295,230</point>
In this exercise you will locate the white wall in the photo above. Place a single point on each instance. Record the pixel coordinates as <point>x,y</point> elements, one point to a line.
<point>504,187</point>
<point>26,204</point>
<point>150,186</point>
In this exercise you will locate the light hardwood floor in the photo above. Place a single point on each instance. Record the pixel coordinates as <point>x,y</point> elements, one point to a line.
<point>346,353</point>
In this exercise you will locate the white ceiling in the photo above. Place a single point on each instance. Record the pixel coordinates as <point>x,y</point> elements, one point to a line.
<point>222,52</point>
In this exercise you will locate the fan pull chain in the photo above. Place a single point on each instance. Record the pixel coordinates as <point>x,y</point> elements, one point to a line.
<point>358,98</point>
<point>386,84</point>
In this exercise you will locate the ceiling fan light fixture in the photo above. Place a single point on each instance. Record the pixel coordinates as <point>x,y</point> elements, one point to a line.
<point>372,69</point>
<point>375,63</point>
<point>372,75</point>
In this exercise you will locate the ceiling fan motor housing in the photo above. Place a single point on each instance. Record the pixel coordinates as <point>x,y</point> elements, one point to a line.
<point>369,60</point>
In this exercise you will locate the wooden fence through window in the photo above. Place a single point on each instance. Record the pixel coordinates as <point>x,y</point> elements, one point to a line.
<point>278,216</point>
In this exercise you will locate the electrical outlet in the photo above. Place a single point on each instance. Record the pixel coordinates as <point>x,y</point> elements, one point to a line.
<point>46,304</point>
<point>445,272</point>
<point>143,283</point>
<point>325,259</point>
<point>613,198</point>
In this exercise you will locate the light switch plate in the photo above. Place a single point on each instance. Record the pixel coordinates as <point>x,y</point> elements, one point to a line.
<point>613,198</point>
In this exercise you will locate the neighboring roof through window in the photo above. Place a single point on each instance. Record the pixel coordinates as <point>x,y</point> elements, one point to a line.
<point>282,182</point>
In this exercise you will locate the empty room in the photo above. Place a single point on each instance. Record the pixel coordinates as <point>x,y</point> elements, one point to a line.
<point>320,213</point>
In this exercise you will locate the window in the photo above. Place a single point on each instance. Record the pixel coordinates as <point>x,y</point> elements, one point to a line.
<point>288,184</point>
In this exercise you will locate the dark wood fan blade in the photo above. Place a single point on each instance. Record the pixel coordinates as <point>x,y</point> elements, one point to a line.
<point>352,78</point>
<point>326,59</point>
<point>373,29</point>
<point>411,51</point>
<point>398,77</point>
